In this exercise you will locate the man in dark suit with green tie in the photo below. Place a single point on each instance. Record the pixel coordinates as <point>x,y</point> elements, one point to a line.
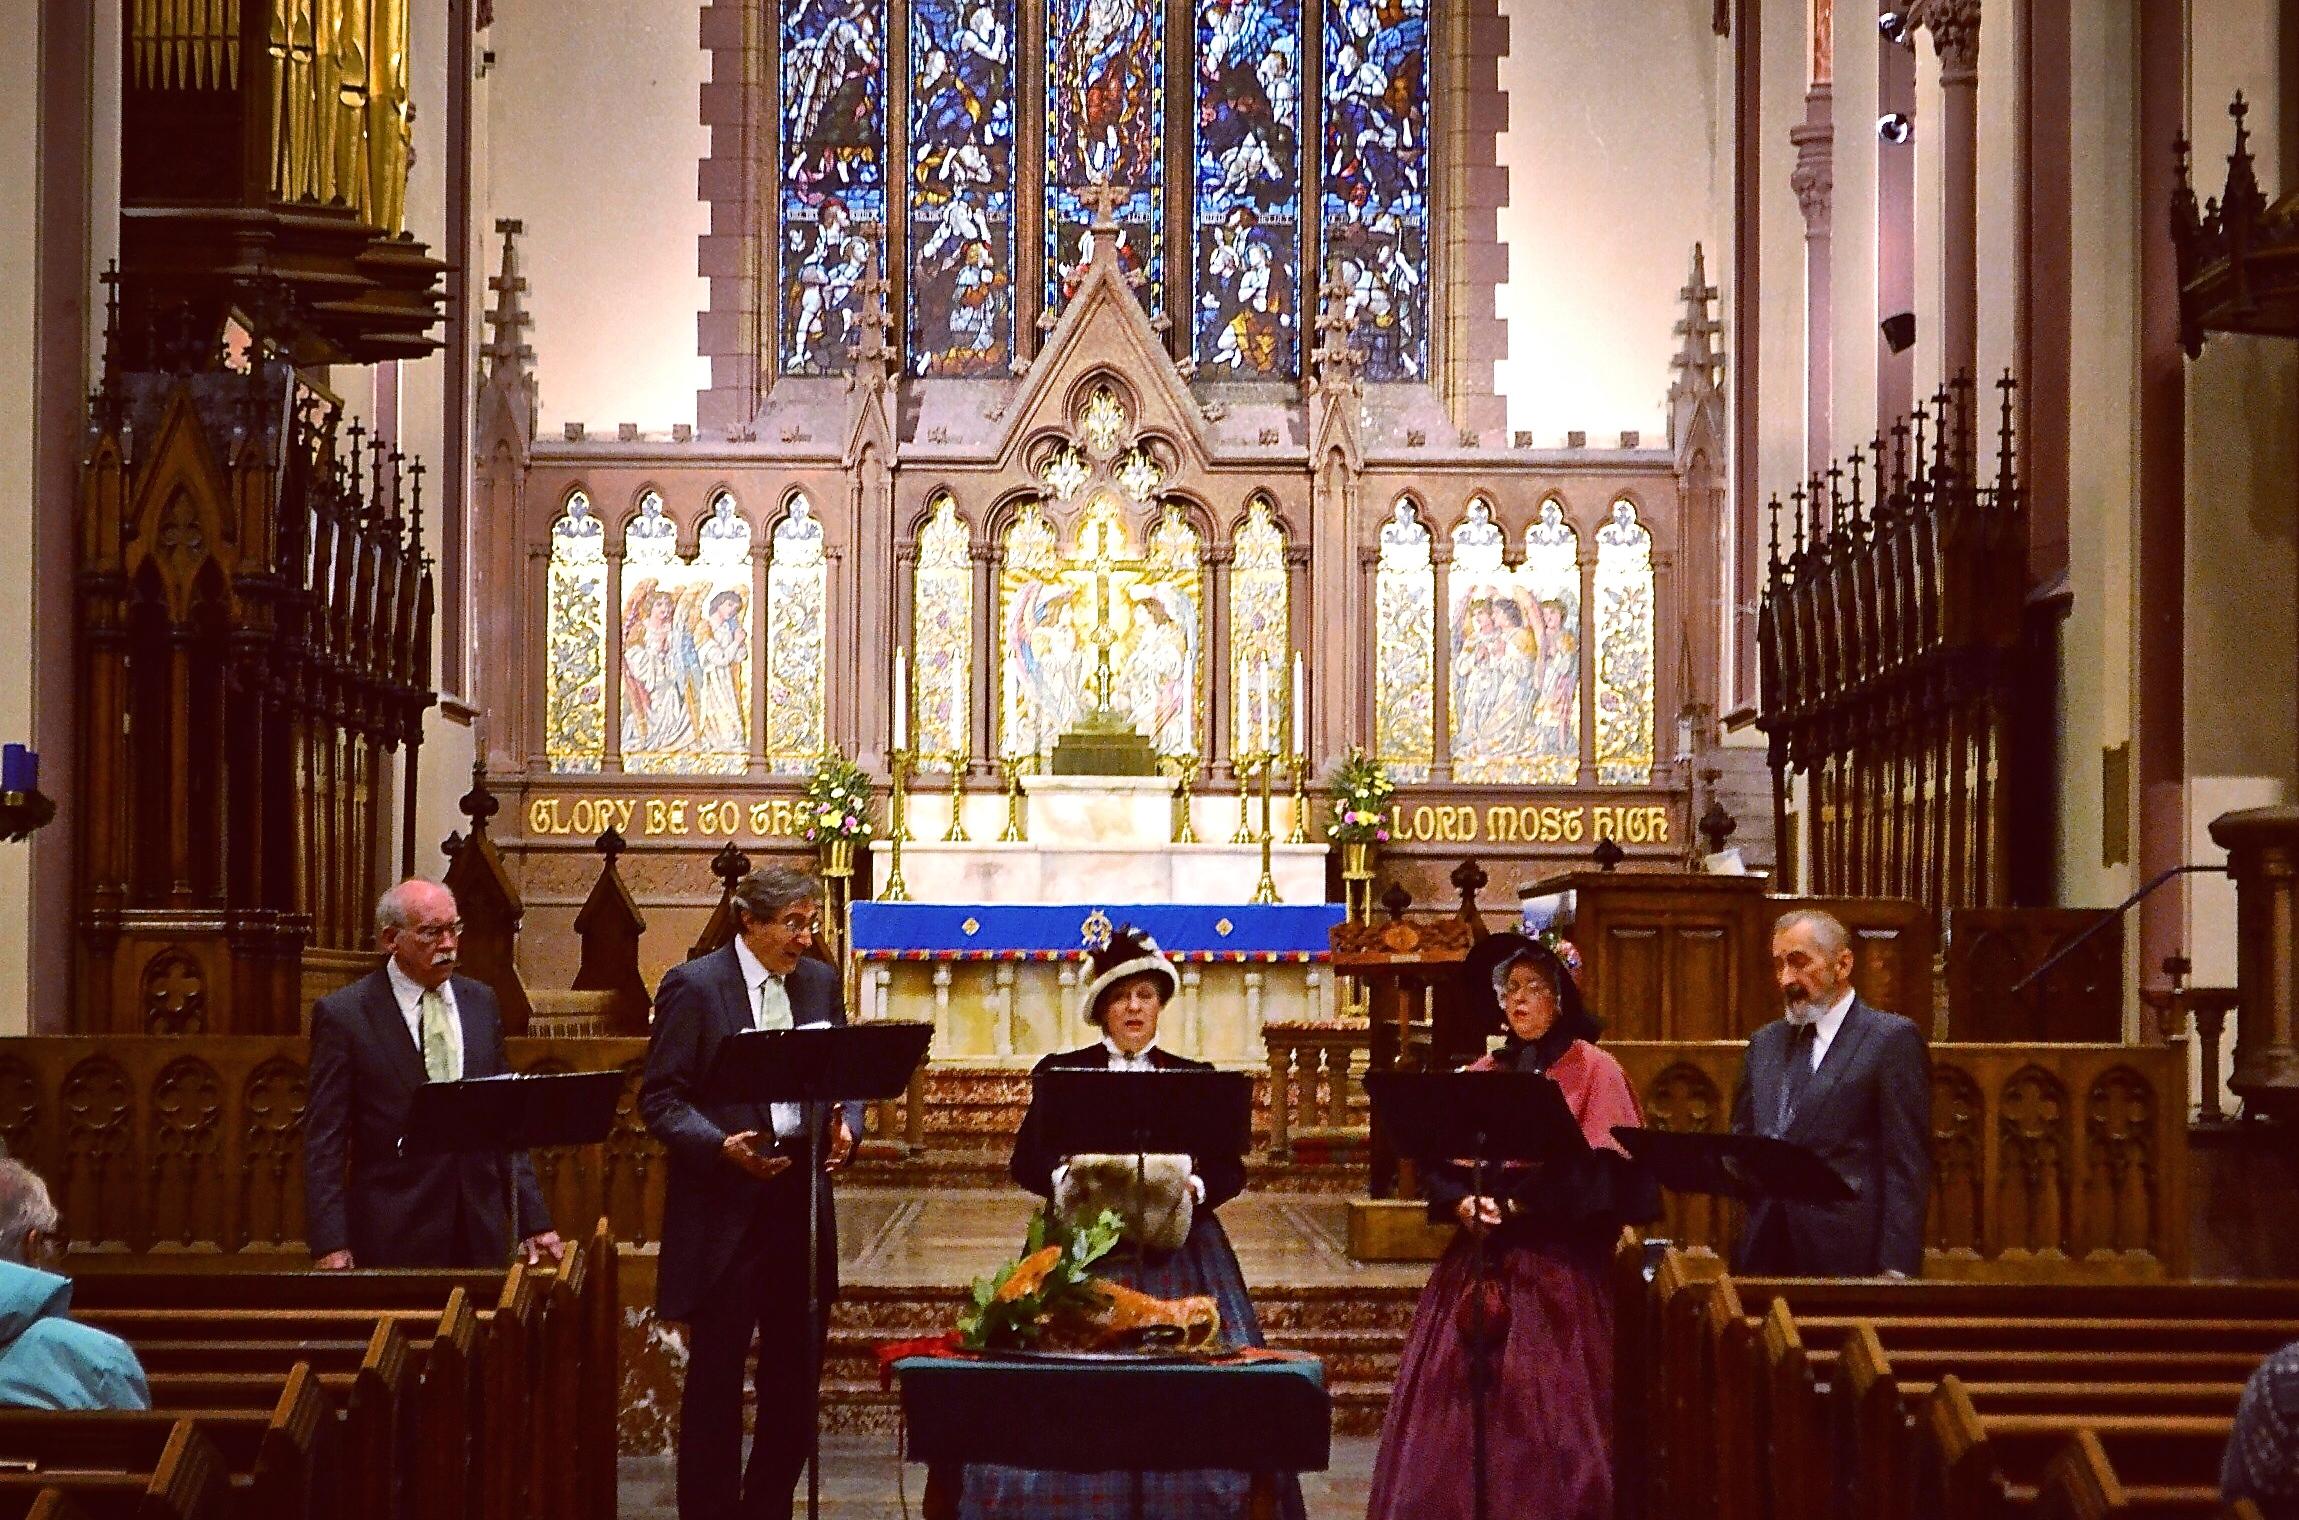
<point>733,1260</point>
<point>372,1044</point>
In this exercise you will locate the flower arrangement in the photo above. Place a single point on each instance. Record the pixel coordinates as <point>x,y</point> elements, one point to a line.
<point>837,800</point>
<point>1360,797</point>
<point>1567,953</point>
<point>1013,1306</point>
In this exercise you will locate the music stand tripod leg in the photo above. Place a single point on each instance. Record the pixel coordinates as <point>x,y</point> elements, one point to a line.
<point>815,1114</point>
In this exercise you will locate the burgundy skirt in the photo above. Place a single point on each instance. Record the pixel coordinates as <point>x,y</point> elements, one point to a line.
<point>1548,1391</point>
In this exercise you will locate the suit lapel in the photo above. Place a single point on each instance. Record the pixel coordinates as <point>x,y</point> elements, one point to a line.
<point>1842,1052</point>
<point>475,1040</point>
<point>390,1029</point>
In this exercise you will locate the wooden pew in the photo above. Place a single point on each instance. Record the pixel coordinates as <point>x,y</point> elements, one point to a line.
<point>1712,1424</point>
<point>55,1504</point>
<point>1978,1466</point>
<point>1876,1398</point>
<point>378,1373</point>
<point>274,1456</point>
<point>2081,1483</point>
<point>184,1479</point>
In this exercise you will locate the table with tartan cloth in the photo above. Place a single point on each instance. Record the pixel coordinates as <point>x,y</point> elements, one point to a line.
<point>1263,1414</point>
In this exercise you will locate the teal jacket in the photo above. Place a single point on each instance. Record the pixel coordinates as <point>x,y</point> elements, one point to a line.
<point>48,1362</point>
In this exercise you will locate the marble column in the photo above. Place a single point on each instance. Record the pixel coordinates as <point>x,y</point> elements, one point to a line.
<point>2262,847</point>
<point>1814,181</point>
<point>1955,29</point>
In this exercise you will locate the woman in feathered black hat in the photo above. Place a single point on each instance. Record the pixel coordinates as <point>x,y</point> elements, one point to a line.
<point>1131,982</point>
<point>1540,1315</point>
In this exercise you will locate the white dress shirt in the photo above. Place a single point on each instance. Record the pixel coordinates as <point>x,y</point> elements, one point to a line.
<point>769,1009</point>
<point>1138,1061</point>
<point>408,993</point>
<point>1824,1027</point>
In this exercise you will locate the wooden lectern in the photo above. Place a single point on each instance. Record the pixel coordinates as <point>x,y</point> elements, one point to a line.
<point>1399,961</point>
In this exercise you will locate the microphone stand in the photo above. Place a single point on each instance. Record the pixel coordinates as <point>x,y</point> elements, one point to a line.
<point>815,1114</point>
<point>1478,1349</point>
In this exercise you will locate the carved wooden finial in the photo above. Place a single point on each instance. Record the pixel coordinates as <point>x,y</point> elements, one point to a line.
<point>1608,854</point>
<point>479,804</point>
<point>611,844</point>
<point>1469,879</point>
<point>729,865</point>
<point>1396,900</point>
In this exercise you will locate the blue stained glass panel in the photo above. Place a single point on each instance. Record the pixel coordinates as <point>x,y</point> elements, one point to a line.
<point>961,191</point>
<point>1105,124</point>
<point>1375,196</point>
<point>1246,164</point>
<point>832,172</point>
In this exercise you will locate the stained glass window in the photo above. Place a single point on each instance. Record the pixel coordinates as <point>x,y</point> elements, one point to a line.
<point>961,187</point>
<point>1375,178</point>
<point>1259,638</point>
<point>686,643</point>
<point>1624,596</point>
<point>575,640</point>
<point>1404,641</point>
<point>832,172</point>
<point>1246,161</point>
<point>942,606</point>
<point>797,589</point>
<point>1105,125</point>
<point>1056,609</point>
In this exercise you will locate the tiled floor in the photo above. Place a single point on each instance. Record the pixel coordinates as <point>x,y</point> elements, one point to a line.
<point>862,1480</point>
<point>905,1237</point>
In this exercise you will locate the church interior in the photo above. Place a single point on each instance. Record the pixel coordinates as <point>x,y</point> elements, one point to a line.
<point>1405,473</point>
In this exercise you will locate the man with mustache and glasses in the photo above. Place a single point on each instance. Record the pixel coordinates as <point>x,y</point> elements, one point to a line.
<point>372,1044</point>
<point>1853,1084</point>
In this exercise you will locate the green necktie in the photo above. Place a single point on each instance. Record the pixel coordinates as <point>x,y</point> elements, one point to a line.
<point>439,1063</point>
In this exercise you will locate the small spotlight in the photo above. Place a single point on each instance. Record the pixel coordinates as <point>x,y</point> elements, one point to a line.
<point>1894,26</point>
<point>1899,331</point>
<point>1895,128</point>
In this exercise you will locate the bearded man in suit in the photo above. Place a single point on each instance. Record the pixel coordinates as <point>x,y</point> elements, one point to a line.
<point>1852,1083</point>
<point>372,1044</point>
<point>733,1261</point>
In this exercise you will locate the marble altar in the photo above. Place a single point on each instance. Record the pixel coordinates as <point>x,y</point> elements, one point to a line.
<point>1092,839</point>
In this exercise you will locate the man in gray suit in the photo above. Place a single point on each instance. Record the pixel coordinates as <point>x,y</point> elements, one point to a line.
<point>1852,1083</point>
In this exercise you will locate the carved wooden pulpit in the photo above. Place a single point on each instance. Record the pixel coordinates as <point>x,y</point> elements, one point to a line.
<point>1400,962</point>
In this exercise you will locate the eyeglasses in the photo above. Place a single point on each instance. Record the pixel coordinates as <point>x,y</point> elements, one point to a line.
<point>808,926</point>
<point>433,933</point>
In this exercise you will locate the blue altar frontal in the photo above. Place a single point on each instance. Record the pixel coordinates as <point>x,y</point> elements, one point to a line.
<point>1296,933</point>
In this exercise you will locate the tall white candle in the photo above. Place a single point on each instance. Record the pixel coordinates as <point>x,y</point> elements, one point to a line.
<point>901,697</point>
<point>1268,714</point>
<point>1300,690</point>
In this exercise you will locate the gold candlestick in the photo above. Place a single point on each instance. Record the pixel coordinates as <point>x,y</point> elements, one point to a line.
<point>957,833</point>
<point>1011,768</point>
<point>1299,834</point>
<point>899,763</point>
<point>1184,825</point>
<point>1244,772</point>
<point>1265,890</point>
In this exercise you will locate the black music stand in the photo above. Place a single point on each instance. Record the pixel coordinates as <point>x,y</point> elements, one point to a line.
<point>1190,1112</point>
<point>1483,1118</point>
<point>814,1066</point>
<point>509,1114</point>
<point>1735,1166</point>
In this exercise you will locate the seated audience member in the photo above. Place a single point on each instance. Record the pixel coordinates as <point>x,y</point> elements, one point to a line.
<point>47,1361</point>
<point>2262,1461</point>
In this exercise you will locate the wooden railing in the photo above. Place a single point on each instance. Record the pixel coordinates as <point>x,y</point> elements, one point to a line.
<point>2044,1154</point>
<point>1316,1071</point>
